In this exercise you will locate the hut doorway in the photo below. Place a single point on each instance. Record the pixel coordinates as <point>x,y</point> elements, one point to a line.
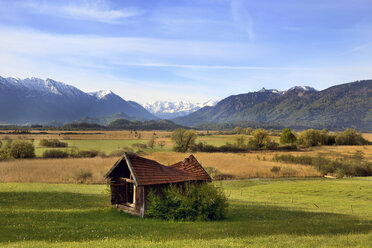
<point>130,198</point>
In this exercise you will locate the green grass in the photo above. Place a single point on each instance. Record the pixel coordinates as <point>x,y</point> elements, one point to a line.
<point>261,215</point>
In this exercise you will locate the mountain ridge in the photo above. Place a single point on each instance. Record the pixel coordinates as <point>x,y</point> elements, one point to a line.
<point>34,100</point>
<point>345,105</point>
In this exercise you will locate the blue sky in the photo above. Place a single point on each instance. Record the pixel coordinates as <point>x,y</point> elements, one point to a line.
<point>187,49</point>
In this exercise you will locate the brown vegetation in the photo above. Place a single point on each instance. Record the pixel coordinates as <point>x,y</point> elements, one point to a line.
<point>55,170</point>
<point>246,165</point>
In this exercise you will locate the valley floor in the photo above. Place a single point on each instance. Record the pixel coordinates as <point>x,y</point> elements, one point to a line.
<point>264,213</point>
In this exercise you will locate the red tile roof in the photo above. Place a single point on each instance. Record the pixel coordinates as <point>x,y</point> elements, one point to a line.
<point>148,172</point>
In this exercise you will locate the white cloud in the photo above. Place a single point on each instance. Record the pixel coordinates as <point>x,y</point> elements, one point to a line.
<point>99,11</point>
<point>241,17</point>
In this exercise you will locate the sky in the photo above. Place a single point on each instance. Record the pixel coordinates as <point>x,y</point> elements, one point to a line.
<point>187,49</point>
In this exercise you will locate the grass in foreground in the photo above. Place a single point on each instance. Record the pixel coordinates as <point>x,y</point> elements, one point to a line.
<point>262,214</point>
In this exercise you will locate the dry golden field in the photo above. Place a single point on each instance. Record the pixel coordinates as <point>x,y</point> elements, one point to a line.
<point>249,165</point>
<point>242,165</point>
<point>55,170</point>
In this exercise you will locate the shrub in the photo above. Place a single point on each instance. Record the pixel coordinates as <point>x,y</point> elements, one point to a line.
<point>287,137</point>
<point>88,153</point>
<point>350,137</point>
<point>161,144</point>
<point>356,165</point>
<point>52,143</point>
<point>275,169</point>
<point>139,146</point>
<point>5,150</point>
<point>215,174</point>
<point>55,154</point>
<point>340,173</point>
<point>118,153</point>
<point>83,175</point>
<point>189,202</point>
<point>22,149</point>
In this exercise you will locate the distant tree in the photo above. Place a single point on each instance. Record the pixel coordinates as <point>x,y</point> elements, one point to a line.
<point>151,143</point>
<point>240,141</point>
<point>238,130</point>
<point>5,150</point>
<point>248,130</point>
<point>260,137</point>
<point>22,149</point>
<point>183,139</point>
<point>350,137</point>
<point>161,143</point>
<point>309,138</point>
<point>287,137</point>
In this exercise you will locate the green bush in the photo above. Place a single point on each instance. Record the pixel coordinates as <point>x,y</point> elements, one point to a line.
<point>22,149</point>
<point>287,137</point>
<point>275,169</point>
<point>52,143</point>
<point>350,137</point>
<point>55,154</point>
<point>189,202</point>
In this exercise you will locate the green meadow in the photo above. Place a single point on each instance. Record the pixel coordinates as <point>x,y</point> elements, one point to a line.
<point>262,213</point>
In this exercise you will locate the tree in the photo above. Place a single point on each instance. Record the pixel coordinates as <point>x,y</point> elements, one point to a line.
<point>161,143</point>
<point>248,130</point>
<point>260,137</point>
<point>239,141</point>
<point>287,137</point>
<point>151,143</point>
<point>238,130</point>
<point>5,150</point>
<point>309,138</point>
<point>183,139</point>
<point>350,137</point>
<point>22,149</point>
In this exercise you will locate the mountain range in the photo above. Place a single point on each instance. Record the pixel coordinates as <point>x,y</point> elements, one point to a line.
<point>170,110</point>
<point>34,100</point>
<point>38,101</point>
<point>340,106</point>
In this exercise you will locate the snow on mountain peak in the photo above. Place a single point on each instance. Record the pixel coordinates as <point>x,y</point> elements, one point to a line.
<point>42,86</point>
<point>101,94</point>
<point>168,109</point>
<point>303,88</point>
<point>275,91</point>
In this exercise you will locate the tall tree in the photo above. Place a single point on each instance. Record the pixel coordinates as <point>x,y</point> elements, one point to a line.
<point>183,139</point>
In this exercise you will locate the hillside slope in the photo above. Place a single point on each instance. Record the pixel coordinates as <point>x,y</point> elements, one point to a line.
<point>346,105</point>
<point>34,100</point>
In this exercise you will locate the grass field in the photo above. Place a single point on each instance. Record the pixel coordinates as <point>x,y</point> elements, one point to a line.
<point>262,213</point>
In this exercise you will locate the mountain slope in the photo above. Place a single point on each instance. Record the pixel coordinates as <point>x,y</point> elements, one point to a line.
<point>346,105</point>
<point>169,110</point>
<point>34,100</point>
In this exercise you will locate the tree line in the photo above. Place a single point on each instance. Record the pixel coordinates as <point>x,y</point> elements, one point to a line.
<point>185,140</point>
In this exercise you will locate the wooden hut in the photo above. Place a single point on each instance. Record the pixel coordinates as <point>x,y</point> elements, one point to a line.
<point>132,177</point>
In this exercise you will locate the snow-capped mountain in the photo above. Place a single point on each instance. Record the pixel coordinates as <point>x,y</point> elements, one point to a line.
<point>297,88</point>
<point>34,100</point>
<point>169,110</point>
<point>302,88</point>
